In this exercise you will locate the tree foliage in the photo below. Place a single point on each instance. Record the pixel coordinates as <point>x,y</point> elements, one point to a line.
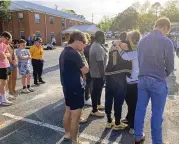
<point>105,23</point>
<point>171,10</point>
<point>143,16</point>
<point>4,9</point>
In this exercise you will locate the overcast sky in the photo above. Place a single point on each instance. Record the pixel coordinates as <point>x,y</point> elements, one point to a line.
<point>98,8</point>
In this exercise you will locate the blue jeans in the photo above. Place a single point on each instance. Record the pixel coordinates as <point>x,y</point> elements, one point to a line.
<point>156,90</point>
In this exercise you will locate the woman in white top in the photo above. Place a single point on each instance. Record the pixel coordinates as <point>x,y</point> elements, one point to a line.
<point>132,81</point>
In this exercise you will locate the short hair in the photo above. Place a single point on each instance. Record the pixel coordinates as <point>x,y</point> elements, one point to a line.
<point>87,36</point>
<point>22,41</point>
<point>7,35</point>
<point>123,36</point>
<point>99,35</point>
<point>135,37</point>
<point>163,22</point>
<point>76,36</point>
<point>38,39</point>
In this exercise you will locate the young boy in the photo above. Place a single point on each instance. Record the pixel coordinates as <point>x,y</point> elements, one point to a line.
<point>24,64</point>
<point>4,64</point>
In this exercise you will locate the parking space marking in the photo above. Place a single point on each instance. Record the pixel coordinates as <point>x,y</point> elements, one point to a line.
<point>8,134</point>
<point>56,128</point>
<point>58,105</point>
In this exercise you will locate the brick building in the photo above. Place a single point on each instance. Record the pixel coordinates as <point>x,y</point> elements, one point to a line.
<point>29,19</point>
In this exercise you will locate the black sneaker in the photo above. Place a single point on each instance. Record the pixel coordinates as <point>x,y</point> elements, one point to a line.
<point>42,82</point>
<point>36,83</point>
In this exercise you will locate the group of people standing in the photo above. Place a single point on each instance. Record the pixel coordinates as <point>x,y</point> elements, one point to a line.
<point>12,60</point>
<point>134,70</point>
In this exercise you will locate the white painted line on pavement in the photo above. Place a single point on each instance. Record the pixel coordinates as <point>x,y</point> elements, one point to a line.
<point>8,134</point>
<point>56,128</point>
<point>34,122</point>
<point>58,105</point>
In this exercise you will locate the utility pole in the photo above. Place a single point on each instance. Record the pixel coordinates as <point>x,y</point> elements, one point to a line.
<point>56,6</point>
<point>92,17</point>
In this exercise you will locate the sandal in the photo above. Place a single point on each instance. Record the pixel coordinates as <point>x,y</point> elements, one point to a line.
<point>66,138</point>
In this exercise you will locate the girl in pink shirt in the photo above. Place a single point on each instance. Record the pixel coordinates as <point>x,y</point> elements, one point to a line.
<point>4,67</point>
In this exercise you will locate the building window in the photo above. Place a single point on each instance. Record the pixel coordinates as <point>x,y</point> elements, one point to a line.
<point>71,23</point>
<point>63,22</point>
<point>38,34</point>
<point>20,17</point>
<point>37,18</point>
<point>52,34</point>
<point>22,34</point>
<point>51,20</point>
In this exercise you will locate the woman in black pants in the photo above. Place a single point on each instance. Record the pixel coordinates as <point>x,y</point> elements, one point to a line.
<point>132,82</point>
<point>37,54</point>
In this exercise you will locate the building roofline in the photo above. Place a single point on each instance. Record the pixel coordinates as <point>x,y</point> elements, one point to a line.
<point>35,10</point>
<point>45,13</point>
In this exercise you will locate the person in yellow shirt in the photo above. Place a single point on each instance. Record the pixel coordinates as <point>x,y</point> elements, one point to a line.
<point>37,54</point>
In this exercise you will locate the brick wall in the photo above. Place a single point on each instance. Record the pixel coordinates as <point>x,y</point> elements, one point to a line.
<point>30,27</point>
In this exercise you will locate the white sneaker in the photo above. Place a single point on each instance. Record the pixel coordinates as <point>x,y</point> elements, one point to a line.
<point>31,89</point>
<point>88,102</point>
<point>25,91</point>
<point>10,97</point>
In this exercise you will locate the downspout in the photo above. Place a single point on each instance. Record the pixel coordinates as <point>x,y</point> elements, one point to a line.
<point>46,27</point>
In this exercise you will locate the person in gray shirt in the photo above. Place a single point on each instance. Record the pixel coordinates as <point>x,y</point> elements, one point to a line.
<point>97,64</point>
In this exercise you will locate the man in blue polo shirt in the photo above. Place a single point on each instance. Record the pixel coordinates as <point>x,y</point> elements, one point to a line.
<point>156,63</point>
<point>71,70</point>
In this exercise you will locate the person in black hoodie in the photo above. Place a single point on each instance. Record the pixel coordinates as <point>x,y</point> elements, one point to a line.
<point>116,72</point>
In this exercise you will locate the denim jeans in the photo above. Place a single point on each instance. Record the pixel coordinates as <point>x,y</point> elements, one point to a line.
<point>156,90</point>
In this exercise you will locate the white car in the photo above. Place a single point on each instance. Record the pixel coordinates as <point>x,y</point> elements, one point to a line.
<point>49,47</point>
<point>109,34</point>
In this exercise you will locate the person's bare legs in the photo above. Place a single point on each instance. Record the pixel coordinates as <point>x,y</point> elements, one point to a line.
<point>3,90</point>
<point>6,85</point>
<point>28,79</point>
<point>10,84</point>
<point>14,79</point>
<point>2,87</point>
<point>24,84</point>
<point>66,122</point>
<point>75,118</point>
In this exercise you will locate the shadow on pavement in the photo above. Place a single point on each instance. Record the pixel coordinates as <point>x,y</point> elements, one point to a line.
<point>173,89</point>
<point>23,132</point>
<point>50,69</point>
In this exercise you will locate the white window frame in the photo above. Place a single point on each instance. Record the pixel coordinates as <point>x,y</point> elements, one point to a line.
<point>37,18</point>
<point>63,22</point>
<point>20,17</point>
<point>52,20</point>
<point>38,34</point>
<point>22,34</point>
